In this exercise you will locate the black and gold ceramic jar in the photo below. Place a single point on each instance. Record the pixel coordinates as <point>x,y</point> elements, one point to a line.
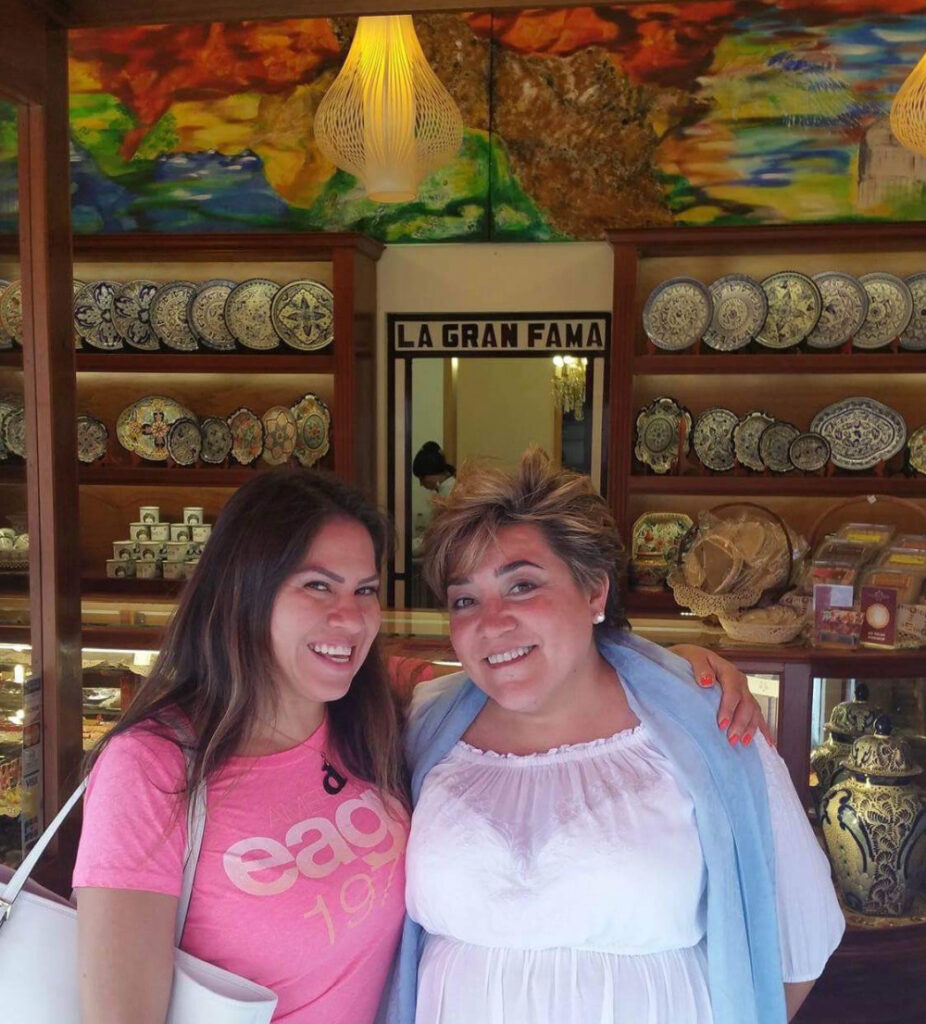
<point>848,721</point>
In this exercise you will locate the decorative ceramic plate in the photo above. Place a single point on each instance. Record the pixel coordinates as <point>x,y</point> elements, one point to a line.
<point>845,306</point>
<point>247,435</point>
<point>247,313</point>
<point>713,438</point>
<point>861,432</point>
<point>9,403</point>
<point>662,428</point>
<point>916,449</point>
<point>280,434</point>
<point>14,432</point>
<point>11,311</point>
<point>746,436</point>
<point>6,338</point>
<point>75,288</point>
<point>313,424</point>
<point>206,315</point>
<point>184,441</point>
<point>677,313</point>
<point>794,307</point>
<point>93,315</point>
<point>143,426</point>
<point>740,308</point>
<point>914,337</point>
<point>168,316</point>
<point>303,315</point>
<point>217,440</point>
<point>92,436</point>
<point>809,452</point>
<point>131,314</point>
<point>655,540</point>
<point>890,307</point>
<point>774,443</point>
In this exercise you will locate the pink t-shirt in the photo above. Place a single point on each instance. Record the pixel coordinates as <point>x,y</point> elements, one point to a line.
<point>296,889</point>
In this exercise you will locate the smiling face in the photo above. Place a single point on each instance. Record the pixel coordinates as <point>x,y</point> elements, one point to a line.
<point>325,616</point>
<point>521,625</point>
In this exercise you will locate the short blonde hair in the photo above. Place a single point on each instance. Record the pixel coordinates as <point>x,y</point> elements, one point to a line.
<point>574,519</point>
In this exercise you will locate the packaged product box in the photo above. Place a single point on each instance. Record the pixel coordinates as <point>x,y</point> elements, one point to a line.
<point>879,616</point>
<point>836,622</point>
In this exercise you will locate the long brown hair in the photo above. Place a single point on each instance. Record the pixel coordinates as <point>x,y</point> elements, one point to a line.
<point>216,665</point>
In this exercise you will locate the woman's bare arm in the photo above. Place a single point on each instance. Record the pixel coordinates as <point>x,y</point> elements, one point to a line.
<point>125,955</point>
<point>795,994</point>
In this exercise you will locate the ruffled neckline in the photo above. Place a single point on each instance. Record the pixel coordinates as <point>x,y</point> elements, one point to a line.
<point>566,752</point>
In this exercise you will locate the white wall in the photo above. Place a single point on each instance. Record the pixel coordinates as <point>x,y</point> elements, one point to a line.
<point>485,278</point>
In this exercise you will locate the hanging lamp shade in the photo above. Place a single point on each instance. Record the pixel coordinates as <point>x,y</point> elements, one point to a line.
<point>908,111</point>
<point>387,119</point>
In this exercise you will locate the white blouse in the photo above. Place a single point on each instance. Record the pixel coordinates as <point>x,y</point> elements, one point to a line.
<point>569,887</point>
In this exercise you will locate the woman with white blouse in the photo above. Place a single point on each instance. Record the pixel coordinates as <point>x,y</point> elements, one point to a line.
<point>585,847</point>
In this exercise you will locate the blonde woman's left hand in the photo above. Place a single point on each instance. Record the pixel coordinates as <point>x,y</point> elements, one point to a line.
<point>739,712</point>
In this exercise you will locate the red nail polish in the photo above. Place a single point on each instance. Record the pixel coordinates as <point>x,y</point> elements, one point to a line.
<point>747,740</point>
<point>733,740</point>
<point>724,723</point>
<point>706,679</point>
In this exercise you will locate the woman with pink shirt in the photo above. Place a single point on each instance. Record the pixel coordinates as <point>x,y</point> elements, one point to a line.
<point>269,691</point>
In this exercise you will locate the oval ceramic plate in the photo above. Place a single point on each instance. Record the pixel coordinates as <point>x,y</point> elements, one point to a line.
<point>662,428</point>
<point>280,435</point>
<point>92,436</point>
<point>93,315</point>
<point>774,443</point>
<point>313,424</point>
<point>917,449</point>
<point>861,432</point>
<point>11,311</point>
<point>247,431</point>
<point>303,315</point>
<point>14,432</point>
<point>677,313</point>
<point>914,336</point>
<point>75,288</point>
<point>216,440</point>
<point>6,338</point>
<point>845,306</point>
<point>247,314</point>
<point>712,438</point>
<point>184,441</point>
<point>890,308</point>
<point>740,307</point>
<point>206,315</point>
<point>144,425</point>
<point>746,436</point>
<point>168,316</point>
<point>794,307</point>
<point>809,452</point>
<point>131,307</point>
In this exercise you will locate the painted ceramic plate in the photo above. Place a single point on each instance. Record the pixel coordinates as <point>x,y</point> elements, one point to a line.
<point>9,403</point>
<point>143,426</point>
<point>168,316</point>
<point>914,336</point>
<point>677,313</point>
<point>313,423</point>
<point>184,441</point>
<point>131,307</point>
<point>206,315</point>
<point>662,428</point>
<point>92,436</point>
<point>14,432</point>
<point>774,443</point>
<point>890,308</point>
<point>746,436</point>
<point>303,315</point>
<point>845,306</point>
<point>247,314</point>
<point>809,452</point>
<point>217,440</point>
<point>794,307</point>
<point>247,435</point>
<point>712,438</point>
<point>93,315</point>
<point>6,338</point>
<point>654,545</point>
<point>280,435</point>
<point>11,311</point>
<point>861,432</point>
<point>917,449</point>
<point>740,308</point>
<point>75,288</point>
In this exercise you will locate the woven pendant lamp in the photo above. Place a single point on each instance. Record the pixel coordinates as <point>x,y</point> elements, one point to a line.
<point>387,119</point>
<point>908,111</point>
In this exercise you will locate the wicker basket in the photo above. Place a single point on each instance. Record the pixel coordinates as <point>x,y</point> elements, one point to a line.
<point>762,632</point>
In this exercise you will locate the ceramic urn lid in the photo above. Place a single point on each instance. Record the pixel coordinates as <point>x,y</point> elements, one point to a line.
<point>853,718</point>
<point>882,755</point>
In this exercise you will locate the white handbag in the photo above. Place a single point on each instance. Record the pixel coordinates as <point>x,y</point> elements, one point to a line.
<point>38,950</point>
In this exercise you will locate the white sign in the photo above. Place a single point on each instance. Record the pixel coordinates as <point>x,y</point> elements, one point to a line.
<point>488,334</point>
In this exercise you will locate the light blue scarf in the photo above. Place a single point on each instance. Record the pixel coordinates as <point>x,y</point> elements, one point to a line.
<point>731,808</point>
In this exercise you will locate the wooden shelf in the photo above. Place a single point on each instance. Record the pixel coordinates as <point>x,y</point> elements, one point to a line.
<point>12,358</point>
<point>169,476</point>
<point>275,361</point>
<point>789,485</point>
<point>140,590</point>
<point>13,473</point>
<point>795,362</point>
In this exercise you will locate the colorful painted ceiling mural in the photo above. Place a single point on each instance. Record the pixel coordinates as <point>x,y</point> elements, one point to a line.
<point>722,111</point>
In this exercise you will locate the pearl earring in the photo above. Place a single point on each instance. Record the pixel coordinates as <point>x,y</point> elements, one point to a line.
<point>598,619</point>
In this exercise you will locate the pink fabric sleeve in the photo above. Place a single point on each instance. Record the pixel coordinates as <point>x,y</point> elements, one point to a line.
<point>134,829</point>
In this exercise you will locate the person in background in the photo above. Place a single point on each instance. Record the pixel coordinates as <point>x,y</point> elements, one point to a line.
<point>433,470</point>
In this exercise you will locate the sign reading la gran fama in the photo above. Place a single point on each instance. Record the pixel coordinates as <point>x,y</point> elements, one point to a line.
<point>489,333</point>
